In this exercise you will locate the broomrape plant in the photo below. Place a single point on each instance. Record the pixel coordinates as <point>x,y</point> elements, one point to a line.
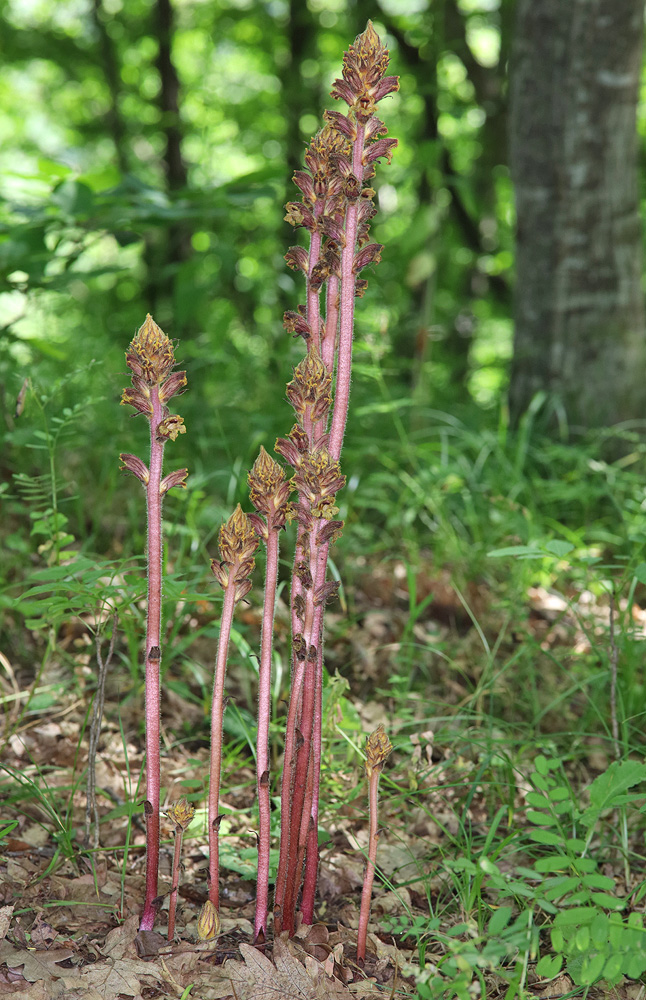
<point>151,359</point>
<point>335,208</point>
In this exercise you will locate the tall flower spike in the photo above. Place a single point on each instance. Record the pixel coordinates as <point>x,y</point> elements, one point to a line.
<point>238,543</point>
<point>269,492</point>
<point>336,209</point>
<point>151,360</point>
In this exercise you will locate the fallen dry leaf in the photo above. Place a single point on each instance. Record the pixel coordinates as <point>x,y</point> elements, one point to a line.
<point>5,920</point>
<point>121,978</point>
<point>34,965</point>
<point>257,978</point>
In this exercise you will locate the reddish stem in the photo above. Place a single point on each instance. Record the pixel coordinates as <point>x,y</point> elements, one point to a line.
<point>328,346</point>
<point>302,771</point>
<point>346,325</point>
<point>153,632</point>
<point>289,763</point>
<point>312,857</point>
<point>366,893</point>
<point>262,744</point>
<point>217,711</point>
<point>172,903</point>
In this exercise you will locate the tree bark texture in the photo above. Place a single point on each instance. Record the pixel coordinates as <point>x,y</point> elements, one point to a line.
<point>579,316</point>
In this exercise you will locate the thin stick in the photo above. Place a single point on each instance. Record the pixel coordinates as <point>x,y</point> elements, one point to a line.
<point>614,664</point>
<point>91,807</point>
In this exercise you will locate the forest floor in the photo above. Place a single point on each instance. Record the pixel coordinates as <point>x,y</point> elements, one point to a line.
<point>69,913</point>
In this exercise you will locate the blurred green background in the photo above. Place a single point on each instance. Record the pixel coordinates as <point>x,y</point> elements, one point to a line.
<point>146,155</point>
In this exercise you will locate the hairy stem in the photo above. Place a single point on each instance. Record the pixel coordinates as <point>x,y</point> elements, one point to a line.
<point>262,744</point>
<point>217,712</point>
<point>312,845</point>
<point>153,660</point>
<point>366,892</point>
<point>172,902</point>
<point>346,322</point>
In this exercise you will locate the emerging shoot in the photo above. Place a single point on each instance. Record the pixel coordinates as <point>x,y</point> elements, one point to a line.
<point>378,749</point>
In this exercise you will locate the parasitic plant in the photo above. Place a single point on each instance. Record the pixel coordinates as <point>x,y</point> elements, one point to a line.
<point>336,208</point>
<point>208,924</point>
<point>269,493</point>
<point>237,544</point>
<point>181,814</point>
<point>378,749</point>
<point>151,360</point>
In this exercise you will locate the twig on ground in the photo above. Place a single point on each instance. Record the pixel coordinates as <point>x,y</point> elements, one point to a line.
<point>91,807</point>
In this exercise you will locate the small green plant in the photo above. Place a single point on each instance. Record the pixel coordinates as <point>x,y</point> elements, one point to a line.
<point>588,934</point>
<point>559,908</point>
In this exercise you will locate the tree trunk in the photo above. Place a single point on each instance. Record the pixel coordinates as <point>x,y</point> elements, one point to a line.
<point>579,334</point>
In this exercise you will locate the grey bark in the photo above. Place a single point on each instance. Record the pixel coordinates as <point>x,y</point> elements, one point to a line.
<point>579,315</point>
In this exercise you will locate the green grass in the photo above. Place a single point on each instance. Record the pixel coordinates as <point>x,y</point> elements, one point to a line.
<point>501,688</point>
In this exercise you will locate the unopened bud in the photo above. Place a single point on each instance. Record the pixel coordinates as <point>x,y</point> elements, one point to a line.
<point>208,922</point>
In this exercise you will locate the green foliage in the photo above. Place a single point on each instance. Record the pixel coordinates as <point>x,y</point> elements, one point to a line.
<point>559,905</point>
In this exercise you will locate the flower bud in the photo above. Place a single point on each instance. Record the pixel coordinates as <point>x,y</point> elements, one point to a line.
<point>208,922</point>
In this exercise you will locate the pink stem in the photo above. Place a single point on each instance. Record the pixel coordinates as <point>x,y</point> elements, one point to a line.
<point>217,711</point>
<point>312,860</point>
<point>172,903</point>
<point>313,301</point>
<point>262,745</point>
<point>153,658</point>
<point>289,764</point>
<point>331,322</point>
<point>346,327</point>
<point>299,786</point>
<point>366,893</point>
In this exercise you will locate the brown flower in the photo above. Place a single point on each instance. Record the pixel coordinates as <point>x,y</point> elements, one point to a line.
<point>150,355</point>
<point>181,813</point>
<point>378,749</point>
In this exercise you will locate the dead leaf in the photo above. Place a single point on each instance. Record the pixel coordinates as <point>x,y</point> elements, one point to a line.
<point>148,943</point>
<point>125,976</point>
<point>34,965</point>
<point>120,941</point>
<point>257,978</point>
<point>5,920</point>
